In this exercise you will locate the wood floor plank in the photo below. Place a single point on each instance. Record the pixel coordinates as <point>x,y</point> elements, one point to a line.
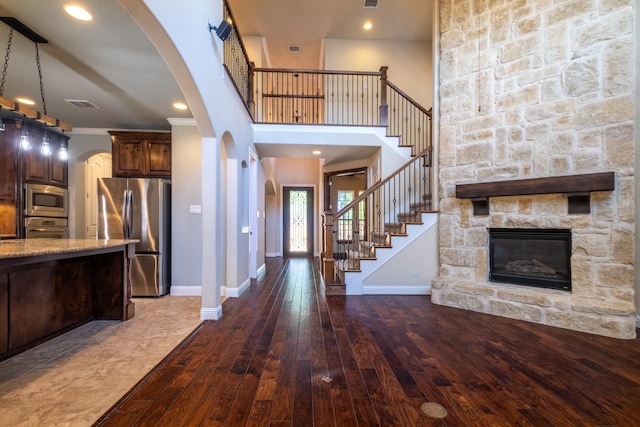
<point>286,354</point>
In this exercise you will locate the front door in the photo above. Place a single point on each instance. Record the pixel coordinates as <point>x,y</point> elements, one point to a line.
<point>298,221</point>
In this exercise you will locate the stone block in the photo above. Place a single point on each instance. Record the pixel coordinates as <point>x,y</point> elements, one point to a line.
<point>520,152</point>
<point>569,10</point>
<point>581,76</point>
<point>556,48</point>
<point>622,243</point>
<point>600,306</point>
<point>537,131</point>
<point>524,296</point>
<point>610,326</point>
<point>562,143</point>
<point>520,47</point>
<point>593,244</point>
<point>518,98</point>
<point>473,153</point>
<point>529,24</point>
<point>614,275</point>
<point>619,146</point>
<point>457,256</point>
<point>549,110</point>
<point>451,39</point>
<point>516,311</point>
<point>609,27</point>
<point>476,237</point>
<point>513,68</point>
<point>611,5</point>
<point>587,160</point>
<point>626,199</point>
<point>606,112</point>
<point>618,67</point>
<point>482,264</point>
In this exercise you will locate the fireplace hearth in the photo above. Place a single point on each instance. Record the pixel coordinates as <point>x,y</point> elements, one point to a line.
<point>530,257</point>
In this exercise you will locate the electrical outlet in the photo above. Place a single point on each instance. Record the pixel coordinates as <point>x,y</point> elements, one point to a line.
<point>195,209</point>
<point>415,272</point>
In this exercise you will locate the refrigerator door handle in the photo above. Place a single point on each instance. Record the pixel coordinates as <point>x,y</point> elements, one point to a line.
<point>125,215</point>
<point>130,214</point>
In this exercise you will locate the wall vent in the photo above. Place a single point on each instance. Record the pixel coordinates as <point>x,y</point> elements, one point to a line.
<point>294,49</point>
<point>371,3</point>
<point>82,103</point>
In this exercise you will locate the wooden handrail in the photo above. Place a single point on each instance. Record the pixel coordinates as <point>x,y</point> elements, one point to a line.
<point>370,190</point>
<point>411,100</point>
<point>336,72</point>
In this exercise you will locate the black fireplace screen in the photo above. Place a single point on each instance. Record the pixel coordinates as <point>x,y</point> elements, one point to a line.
<point>530,257</point>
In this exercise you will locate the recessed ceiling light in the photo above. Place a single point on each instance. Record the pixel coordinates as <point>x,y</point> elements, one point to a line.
<point>180,106</point>
<point>78,12</point>
<point>367,25</point>
<point>26,101</point>
<point>316,152</point>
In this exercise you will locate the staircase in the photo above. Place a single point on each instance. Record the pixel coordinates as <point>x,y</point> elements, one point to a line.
<point>376,220</point>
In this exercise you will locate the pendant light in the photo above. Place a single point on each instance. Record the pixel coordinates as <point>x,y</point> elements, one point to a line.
<point>62,153</point>
<point>25,143</point>
<point>28,114</point>
<point>45,148</point>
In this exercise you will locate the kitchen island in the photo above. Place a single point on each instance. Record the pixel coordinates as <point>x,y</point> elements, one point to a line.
<point>49,286</point>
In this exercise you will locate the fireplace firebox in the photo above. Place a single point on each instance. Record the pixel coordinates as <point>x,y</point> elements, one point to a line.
<point>530,257</point>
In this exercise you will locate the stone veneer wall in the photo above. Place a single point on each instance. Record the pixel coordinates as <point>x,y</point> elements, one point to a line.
<point>536,88</point>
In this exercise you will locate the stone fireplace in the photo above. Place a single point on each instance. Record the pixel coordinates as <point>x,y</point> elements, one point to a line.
<point>535,90</point>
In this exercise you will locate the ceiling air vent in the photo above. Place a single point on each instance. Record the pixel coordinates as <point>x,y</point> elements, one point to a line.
<point>371,3</point>
<point>294,49</point>
<point>82,103</point>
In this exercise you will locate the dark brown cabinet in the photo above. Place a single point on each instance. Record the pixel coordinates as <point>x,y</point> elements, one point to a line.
<point>45,169</point>
<point>8,181</point>
<point>141,154</point>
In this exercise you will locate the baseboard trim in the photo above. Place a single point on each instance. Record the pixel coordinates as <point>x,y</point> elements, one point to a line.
<point>211,313</point>
<point>236,292</point>
<point>262,269</point>
<point>272,255</point>
<point>397,290</point>
<point>186,291</point>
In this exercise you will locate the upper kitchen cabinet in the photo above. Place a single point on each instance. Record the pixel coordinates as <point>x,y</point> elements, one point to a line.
<point>44,165</point>
<point>8,182</point>
<point>141,154</point>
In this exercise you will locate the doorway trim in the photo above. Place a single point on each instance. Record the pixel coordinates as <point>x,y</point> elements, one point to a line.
<point>312,208</point>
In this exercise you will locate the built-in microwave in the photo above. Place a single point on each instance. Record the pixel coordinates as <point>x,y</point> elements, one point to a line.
<point>46,200</point>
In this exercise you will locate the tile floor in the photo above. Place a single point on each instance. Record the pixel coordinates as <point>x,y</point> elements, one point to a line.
<point>73,379</point>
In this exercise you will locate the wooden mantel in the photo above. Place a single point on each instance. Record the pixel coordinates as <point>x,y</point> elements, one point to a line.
<point>577,188</point>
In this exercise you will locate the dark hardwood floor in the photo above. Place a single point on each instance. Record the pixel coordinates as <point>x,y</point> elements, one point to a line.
<point>288,354</point>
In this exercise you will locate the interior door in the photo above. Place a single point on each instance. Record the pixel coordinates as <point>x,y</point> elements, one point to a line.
<point>298,221</point>
<point>98,166</point>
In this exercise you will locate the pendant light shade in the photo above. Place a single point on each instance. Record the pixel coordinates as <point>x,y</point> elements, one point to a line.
<point>45,148</point>
<point>25,143</point>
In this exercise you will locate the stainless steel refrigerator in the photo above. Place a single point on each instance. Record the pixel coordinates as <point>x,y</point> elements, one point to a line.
<point>139,208</point>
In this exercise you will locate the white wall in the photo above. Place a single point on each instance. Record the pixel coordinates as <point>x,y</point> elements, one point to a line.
<point>410,63</point>
<point>186,190</point>
<point>194,56</point>
<point>286,172</point>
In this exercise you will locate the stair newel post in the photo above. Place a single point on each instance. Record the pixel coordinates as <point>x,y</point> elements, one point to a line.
<point>384,106</point>
<point>328,261</point>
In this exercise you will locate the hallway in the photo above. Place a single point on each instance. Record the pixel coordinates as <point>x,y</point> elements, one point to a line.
<point>288,354</point>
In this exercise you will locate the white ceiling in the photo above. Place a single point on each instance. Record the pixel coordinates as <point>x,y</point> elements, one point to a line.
<point>111,63</point>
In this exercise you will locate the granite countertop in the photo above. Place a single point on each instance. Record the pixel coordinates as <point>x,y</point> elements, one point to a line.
<point>30,247</point>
